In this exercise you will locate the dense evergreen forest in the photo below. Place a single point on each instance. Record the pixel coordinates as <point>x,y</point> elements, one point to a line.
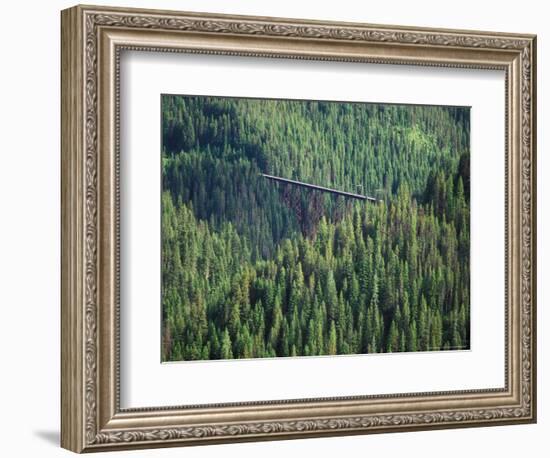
<point>254,268</point>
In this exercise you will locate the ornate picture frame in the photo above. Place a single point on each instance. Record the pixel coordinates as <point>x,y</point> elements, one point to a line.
<point>92,41</point>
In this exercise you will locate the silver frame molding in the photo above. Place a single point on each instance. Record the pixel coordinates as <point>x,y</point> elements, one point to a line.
<point>92,39</point>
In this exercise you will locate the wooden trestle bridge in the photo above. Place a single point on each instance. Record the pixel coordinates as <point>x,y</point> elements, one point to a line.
<point>320,188</point>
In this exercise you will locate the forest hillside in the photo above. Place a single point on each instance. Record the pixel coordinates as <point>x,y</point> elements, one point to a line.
<point>255,268</point>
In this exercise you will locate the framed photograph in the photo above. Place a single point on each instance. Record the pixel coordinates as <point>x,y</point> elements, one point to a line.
<point>278,228</point>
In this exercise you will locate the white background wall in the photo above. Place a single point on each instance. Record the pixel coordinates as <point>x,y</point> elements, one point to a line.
<point>29,226</point>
